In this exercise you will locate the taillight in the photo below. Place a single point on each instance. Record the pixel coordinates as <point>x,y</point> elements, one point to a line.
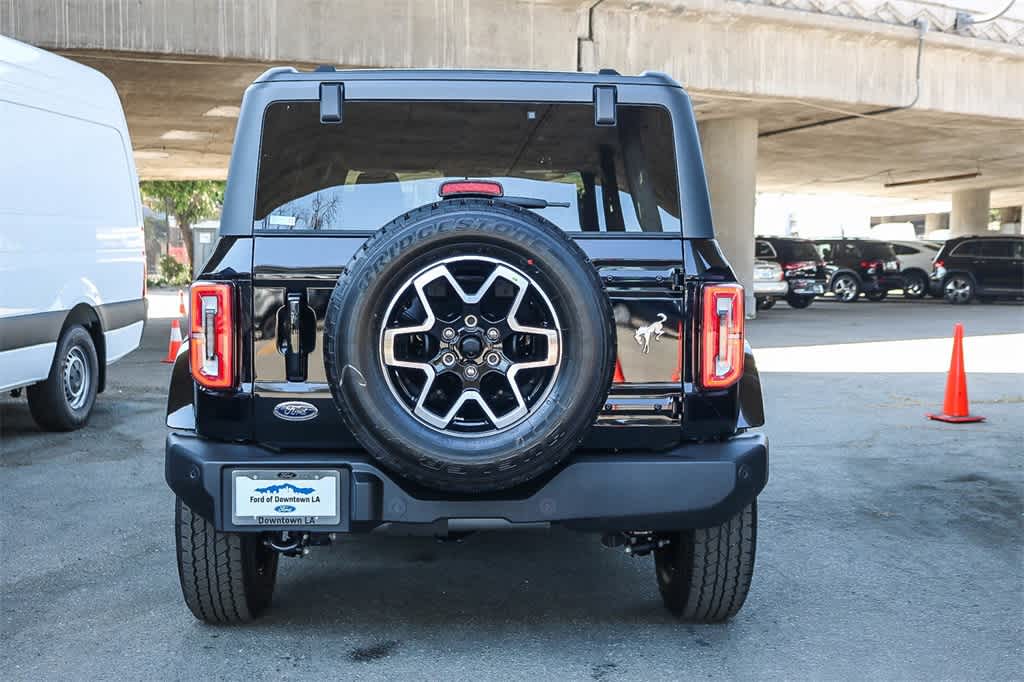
<point>938,264</point>
<point>722,335</point>
<point>211,337</point>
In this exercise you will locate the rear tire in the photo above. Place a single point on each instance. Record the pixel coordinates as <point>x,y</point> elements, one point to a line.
<point>915,285</point>
<point>225,577</point>
<point>799,302</point>
<point>64,400</point>
<point>877,295</point>
<point>765,303</point>
<point>704,575</point>
<point>958,289</point>
<point>846,287</point>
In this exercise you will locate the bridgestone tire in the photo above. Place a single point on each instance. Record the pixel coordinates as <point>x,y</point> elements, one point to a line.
<point>47,400</point>
<point>704,575</point>
<point>225,577</point>
<point>438,458</point>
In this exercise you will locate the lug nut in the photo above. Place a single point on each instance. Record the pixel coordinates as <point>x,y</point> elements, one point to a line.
<point>471,371</point>
<point>448,359</point>
<point>448,333</point>
<point>493,359</point>
<point>471,320</point>
<point>492,334</point>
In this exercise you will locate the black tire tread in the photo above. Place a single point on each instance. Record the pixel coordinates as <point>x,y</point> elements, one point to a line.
<point>46,401</point>
<point>714,569</point>
<point>212,572</point>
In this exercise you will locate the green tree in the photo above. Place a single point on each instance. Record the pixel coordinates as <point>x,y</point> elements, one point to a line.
<point>189,201</point>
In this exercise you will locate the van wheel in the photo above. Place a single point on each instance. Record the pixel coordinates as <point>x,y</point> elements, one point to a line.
<point>766,303</point>
<point>63,402</point>
<point>225,577</point>
<point>846,287</point>
<point>704,575</point>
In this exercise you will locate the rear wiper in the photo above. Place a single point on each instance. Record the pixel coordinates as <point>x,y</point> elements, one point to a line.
<point>531,202</point>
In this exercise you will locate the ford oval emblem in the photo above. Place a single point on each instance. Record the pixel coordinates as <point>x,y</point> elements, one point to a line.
<point>284,509</point>
<point>295,411</point>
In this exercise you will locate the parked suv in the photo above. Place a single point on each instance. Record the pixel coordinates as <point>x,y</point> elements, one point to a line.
<point>801,264</point>
<point>916,259</point>
<point>769,284</point>
<point>860,266</point>
<point>452,301</point>
<point>980,267</point>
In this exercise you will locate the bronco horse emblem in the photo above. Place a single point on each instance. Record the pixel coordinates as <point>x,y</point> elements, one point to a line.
<point>642,335</point>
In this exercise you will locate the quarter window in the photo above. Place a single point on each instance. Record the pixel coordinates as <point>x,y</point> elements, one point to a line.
<point>967,249</point>
<point>764,250</point>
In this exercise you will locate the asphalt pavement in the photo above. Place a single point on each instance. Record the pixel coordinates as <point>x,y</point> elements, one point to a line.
<point>889,547</point>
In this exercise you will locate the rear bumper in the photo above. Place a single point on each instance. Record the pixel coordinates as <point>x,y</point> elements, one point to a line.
<point>771,288</point>
<point>695,485</point>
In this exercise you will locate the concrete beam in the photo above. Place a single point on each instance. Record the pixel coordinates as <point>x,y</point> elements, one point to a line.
<point>970,212</point>
<point>730,157</point>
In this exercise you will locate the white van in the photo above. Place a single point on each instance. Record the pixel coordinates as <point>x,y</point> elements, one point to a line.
<point>72,251</point>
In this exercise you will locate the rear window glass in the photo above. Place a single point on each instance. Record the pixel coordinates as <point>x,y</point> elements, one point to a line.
<point>387,158</point>
<point>876,250</point>
<point>967,249</point>
<point>799,251</point>
<point>764,250</point>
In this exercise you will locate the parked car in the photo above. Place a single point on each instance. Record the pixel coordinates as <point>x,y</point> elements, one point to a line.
<point>860,266</point>
<point>480,307</point>
<point>801,264</point>
<point>916,259</point>
<point>71,242</point>
<point>769,284</point>
<point>980,267</point>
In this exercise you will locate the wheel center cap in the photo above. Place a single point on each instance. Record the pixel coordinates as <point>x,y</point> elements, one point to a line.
<point>471,347</point>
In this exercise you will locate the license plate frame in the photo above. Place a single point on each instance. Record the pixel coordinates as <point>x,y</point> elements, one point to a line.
<point>314,497</point>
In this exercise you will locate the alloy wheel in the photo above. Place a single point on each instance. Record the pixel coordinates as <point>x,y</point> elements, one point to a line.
<point>845,288</point>
<point>959,290</point>
<point>466,363</point>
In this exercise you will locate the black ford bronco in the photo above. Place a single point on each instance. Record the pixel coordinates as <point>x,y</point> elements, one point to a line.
<point>452,301</point>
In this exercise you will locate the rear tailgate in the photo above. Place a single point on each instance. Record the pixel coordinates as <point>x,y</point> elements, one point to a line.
<point>323,189</point>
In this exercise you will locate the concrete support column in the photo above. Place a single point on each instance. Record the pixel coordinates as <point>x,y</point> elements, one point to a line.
<point>936,221</point>
<point>970,212</point>
<point>730,160</point>
<point>1010,219</point>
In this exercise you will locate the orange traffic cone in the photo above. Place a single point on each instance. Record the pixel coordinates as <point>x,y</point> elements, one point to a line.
<point>175,343</point>
<point>181,303</point>
<point>619,377</point>
<point>954,409</point>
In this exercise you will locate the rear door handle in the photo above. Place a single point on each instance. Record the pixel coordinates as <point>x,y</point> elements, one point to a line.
<point>294,322</point>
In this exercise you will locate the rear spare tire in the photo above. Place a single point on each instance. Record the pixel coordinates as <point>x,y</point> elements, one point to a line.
<point>469,345</point>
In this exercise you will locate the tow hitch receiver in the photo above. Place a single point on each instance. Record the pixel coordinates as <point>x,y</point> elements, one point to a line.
<point>635,543</point>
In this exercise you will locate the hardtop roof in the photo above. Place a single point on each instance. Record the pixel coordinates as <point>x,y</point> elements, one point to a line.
<point>328,73</point>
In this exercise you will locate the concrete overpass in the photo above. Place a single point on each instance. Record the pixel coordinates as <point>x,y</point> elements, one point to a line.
<point>896,98</point>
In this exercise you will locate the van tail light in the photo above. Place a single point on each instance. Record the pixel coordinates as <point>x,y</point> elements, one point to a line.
<point>722,348</point>
<point>211,335</point>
